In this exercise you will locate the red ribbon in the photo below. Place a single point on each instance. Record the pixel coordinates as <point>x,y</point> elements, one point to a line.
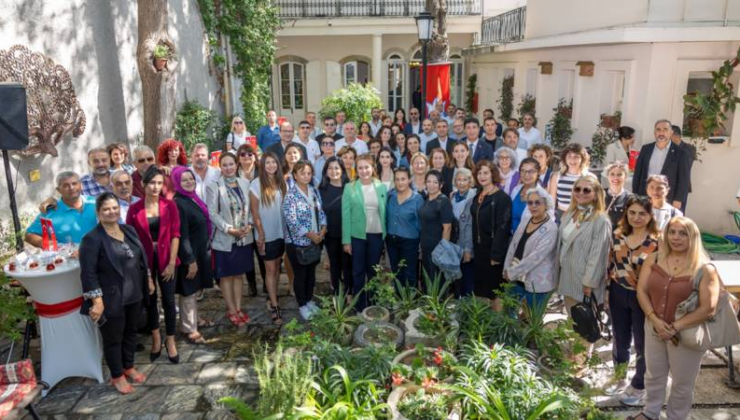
<point>58,309</point>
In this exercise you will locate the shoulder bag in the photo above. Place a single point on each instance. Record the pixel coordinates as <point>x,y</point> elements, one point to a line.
<point>720,330</point>
<point>587,320</point>
<point>310,254</point>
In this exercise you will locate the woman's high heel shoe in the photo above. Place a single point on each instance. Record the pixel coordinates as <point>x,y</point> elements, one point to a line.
<point>173,359</point>
<point>155,356</point>
<point>125,387</point>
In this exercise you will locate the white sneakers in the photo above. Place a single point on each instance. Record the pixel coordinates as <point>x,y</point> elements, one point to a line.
<point>633,397</point>
<point>616,387</point>
<point>308,310</point>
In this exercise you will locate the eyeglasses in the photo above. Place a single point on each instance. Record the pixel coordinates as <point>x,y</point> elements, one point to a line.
<point>504,158</point>
<point>534,203</point>
<point>246,154</point>
<point>327,143</point>
<point>149,159</point>
<point>238,122</point>
<point>529,171</point>
<point>584,190</point>
<point>305,127</point>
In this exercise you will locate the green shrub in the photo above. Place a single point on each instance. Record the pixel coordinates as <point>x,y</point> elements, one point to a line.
<point>506,102</point>
<point>355,100</point>
<point>561,128</point>
<point>195,124</point>
<point>13,309</point>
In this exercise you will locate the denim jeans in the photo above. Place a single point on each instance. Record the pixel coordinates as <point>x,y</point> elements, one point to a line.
<point>407,251</point>
<point>532,299</point>
<point>628,323</point>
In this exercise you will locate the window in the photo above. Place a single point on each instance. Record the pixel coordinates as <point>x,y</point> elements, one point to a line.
<point>612,92</point>
<point>565,84</point>
<point>291,85</point>
<point>396,73</point>
<point>531,88</point>
<point>456,80</point>
<point>356,72</point>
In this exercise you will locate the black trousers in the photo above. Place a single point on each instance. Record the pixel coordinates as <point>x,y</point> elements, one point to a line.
<point>166,289</point>
<point>340,265</point>
<point>252,275</point>
<point>119,339</point>
<point>304,277</point>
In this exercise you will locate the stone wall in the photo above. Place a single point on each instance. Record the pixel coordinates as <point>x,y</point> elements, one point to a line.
<point>96,42</point>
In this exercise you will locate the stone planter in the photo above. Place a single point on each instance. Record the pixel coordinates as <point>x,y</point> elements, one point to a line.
<point>160,63</point>
<point>414,336</point>
<point>375,314</point>
<point>407,357</point>
<point>397,395</point>
<point>378,334</point>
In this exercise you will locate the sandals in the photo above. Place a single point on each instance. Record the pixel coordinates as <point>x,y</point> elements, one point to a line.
<point>125,388</point>
<point>243,317</point>
<point>136,377</point>
<point>235,319</point>
<point>197,339</point>
<point>275,313</point>
<point>205,323</point>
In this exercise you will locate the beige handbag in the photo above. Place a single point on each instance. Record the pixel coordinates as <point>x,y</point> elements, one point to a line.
<point>721,330</point>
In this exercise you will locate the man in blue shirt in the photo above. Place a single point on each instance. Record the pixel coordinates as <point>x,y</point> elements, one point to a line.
<point>270,133</point>
<point>73,216</point>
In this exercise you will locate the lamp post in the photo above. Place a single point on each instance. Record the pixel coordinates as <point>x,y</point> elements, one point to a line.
<point>424,23</point>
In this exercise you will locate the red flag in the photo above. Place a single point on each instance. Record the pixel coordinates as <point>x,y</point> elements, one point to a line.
<point>48,236</point>
<point>438,85</point>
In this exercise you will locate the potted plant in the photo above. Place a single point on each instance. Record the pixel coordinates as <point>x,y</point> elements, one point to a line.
<point>433,323</point>
<point>424,366</point>
<point>611,121</point>
<point>418,403</point>
<point>528,105</point>
<point>407,300</point>
<point>378,334</point>
<point>506,101</point>
<point>382,295</point>
<point>602,138</point>
<point>161,55</point>
<point>561,131</point>
<point>335,320</point>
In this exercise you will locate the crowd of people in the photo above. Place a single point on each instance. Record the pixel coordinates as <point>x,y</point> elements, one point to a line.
<point>389,191</point>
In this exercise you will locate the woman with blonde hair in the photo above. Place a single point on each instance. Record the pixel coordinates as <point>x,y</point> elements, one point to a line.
<point>419,168</point>
<point>585,236</point>
<point>666,279</point>
<point>238,135</point>
<point>363,224</point>
<point>616,195</point>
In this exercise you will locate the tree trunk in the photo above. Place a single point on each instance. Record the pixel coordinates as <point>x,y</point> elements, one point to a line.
<point>157,87</point>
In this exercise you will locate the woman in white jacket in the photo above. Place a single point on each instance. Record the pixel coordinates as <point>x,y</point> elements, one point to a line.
<point>531,261</point>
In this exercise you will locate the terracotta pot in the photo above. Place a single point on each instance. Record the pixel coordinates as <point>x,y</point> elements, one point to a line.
<point>160,63</point>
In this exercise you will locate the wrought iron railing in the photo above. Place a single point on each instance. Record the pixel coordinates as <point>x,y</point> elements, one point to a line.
<point>504,28</point>
<point>372,8</point>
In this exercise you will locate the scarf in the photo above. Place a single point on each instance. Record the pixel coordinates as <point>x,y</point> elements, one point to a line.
<point>457,197</point>
<point>176,177</point>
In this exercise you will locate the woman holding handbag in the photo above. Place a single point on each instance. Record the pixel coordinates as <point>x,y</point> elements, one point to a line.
<point>305,223</point>
<point>666,280</point>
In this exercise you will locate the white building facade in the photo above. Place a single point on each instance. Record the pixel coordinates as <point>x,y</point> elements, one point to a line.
<point>645,57</point>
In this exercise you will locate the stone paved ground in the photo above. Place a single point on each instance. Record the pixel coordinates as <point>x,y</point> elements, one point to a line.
<point>221,367</point>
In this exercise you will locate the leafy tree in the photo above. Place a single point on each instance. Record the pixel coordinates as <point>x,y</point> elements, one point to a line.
<point>355,100</point>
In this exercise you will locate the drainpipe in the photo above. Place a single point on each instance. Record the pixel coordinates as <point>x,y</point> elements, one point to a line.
<point>227,78</point>
<point>230,80</point>
<point>727,11</point>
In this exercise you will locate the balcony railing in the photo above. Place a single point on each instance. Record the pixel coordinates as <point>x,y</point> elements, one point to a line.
<point>504,28</point>
<point>370,8</point>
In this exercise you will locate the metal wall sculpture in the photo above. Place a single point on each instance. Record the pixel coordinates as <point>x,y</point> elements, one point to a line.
<point>53,108</point>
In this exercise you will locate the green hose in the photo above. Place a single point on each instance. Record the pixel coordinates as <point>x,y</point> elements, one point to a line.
<point>718,244</point>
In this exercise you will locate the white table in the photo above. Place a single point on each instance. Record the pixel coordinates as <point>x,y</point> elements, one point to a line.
<point>729,273</point>
<point>71,345</point>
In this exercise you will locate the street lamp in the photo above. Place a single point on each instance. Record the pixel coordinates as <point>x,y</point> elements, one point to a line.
<point>424,23</point>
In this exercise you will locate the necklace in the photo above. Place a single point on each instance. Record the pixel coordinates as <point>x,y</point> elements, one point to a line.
<point>676,261</point>
<point>537,222</point>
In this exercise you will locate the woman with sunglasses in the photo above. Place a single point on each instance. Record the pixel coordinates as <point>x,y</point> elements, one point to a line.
<point>249,169</point>
<point>634,240</point>
<point>363,224</point>
<point>266,195</point>
<point>529,168</point>
<point>585,237</point>
<point>531,261</point>
<point>238,135</point>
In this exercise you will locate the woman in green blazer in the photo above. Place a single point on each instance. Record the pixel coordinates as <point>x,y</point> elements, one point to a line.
<point>363,224</point>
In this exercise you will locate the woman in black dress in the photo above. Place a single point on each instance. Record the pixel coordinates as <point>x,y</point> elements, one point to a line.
<point>491,211</point>
<point>436,218</point>
<point>331,188</point>
<point>194,272</point>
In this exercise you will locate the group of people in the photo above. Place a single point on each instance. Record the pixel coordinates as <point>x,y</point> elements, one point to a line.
<point>165,227</point>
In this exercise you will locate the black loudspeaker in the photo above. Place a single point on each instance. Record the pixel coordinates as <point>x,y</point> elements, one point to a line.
<point>13,117</point>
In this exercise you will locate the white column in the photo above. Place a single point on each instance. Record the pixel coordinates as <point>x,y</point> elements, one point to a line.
<point>377,61</point>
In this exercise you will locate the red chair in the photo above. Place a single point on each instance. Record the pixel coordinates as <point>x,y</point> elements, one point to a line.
<point>18,389</point>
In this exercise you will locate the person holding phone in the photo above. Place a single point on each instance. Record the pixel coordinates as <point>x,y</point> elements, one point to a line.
<point>115,279</point>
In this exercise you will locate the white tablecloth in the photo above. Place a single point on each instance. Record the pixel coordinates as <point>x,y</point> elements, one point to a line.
<point>71,345</point>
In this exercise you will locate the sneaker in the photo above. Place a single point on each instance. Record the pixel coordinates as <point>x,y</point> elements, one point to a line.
<point>616,387</point>
<point>633,397</point>
<point>305,312</point>
<point>314,307</point>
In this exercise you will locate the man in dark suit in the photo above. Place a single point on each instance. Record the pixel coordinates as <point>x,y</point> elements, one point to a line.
<point>479,150</point>
<point>442,141</point>
<point>663,157</point>
<point>691,150</point>
<point>286,138</point>
<point>414,124</point>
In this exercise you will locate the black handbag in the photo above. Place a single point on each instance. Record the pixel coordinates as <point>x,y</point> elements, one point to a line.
<point>587,321</point>
<point>310,254</point>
